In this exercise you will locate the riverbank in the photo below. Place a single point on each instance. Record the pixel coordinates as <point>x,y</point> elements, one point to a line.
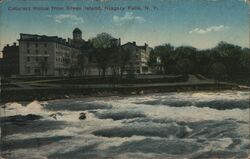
<point>82,91</point>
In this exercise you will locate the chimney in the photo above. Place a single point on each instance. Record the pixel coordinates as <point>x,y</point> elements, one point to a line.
<point>69,41</point>
<point>146,45</point>
<point>14,44</point>
<point>119,41</point>
<point>134,43</point>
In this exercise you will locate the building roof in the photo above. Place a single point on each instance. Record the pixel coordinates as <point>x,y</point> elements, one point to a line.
<point>43,38</point>
<point>144,47</point>
<point>77,31</point>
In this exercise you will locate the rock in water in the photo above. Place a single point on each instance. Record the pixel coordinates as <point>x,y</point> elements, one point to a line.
<point>20,118</point>
<point>54,115</point>
<point>82,116</point>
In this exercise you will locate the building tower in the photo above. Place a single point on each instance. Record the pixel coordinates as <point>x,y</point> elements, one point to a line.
<point>77,34</point>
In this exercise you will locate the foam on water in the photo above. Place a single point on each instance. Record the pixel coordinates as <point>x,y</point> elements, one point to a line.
<point>134,127</point>
<point>34,107</point>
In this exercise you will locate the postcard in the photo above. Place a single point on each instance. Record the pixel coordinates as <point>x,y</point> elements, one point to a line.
<point>124,79</point>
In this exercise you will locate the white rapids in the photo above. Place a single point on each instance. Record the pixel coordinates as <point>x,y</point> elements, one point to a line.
<point>169,125</point>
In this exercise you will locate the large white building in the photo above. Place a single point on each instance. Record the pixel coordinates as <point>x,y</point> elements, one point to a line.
<point>42,55</point>
<point>45,55</point>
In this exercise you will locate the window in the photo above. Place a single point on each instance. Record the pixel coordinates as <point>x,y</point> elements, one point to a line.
<point>36,44</point>
<point>28,69</point>
<point>28,59</point>
<point>144,69</point>
<point>37,71</point>
<point>45,59</point>
<point>28,51</point>
<point>36,59</point>
<point>45,44</point>
<point>28,44</point>
<point>138,71</point>
<point>36,51</point>
<point>45,52</point>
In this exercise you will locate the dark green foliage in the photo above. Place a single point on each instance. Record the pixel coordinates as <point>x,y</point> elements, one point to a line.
<point>218,71</point>
<point>223,62</point>
<point>105,55</point>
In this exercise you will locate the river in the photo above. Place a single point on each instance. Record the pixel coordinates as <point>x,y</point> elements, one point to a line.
<point>191,125</point>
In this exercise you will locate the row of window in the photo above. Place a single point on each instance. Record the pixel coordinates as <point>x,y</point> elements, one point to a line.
<point>36,71</point>
<point>59,59</point>
<point>37,51</point>
<point>37,59</point>
<point>62,47</point>
<point>36,44</point>
<point>29,44</point>
<point>61,52</point>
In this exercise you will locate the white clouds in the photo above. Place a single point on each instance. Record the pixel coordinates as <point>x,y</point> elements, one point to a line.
<point>128,17</point>
<point>244,1</point>
<point>209,29</point>
<point>67,17</point>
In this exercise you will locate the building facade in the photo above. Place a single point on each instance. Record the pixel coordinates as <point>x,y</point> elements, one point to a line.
<point>41,55</point>
<point>45,55</point>
<point>139,57</point>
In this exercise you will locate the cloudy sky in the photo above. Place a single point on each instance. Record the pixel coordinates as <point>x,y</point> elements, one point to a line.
<point>199,23</point>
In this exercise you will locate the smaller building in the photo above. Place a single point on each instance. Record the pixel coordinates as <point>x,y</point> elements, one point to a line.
<point>139,57</point>
<point>10,60</point>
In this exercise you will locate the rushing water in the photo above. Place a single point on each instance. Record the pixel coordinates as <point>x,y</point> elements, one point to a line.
<point>170,125</point>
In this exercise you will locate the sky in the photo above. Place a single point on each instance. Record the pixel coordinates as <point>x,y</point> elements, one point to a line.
<point>198,23</point>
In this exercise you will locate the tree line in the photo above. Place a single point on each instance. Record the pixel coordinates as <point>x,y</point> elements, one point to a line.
<point>223,62</point>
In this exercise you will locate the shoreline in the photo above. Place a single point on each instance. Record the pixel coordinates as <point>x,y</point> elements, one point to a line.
<point>44,94</point>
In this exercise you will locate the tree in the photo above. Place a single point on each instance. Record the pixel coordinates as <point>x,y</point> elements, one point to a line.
<point>82,64</point>
<point>124,60</point>
<point>186,54</point>
<point>245,60</point>
<point>115,61</point>
<point>230,57</point>
<point>218,71</point>
<point>165,53</point>
<point>103,59</point>
<point>202,61</point>
<point>152,58</point>
<point>102,41</point>
<point>184,66</point>
<point>102,51</point>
